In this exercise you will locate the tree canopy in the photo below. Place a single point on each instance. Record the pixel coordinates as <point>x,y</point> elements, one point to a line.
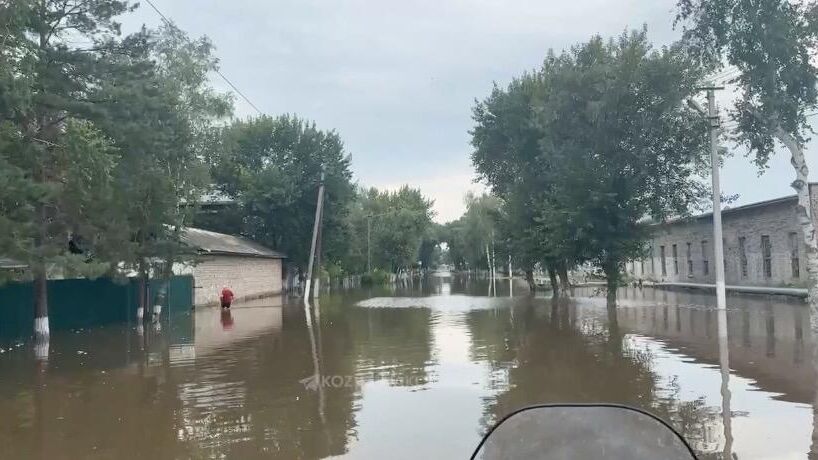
<point>393,228</point>
<point>585,149</point>
<point>272,167</point>
<point>102,139</point>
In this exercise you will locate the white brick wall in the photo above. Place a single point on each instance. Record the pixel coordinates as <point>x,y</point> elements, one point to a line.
<point>245,276</point>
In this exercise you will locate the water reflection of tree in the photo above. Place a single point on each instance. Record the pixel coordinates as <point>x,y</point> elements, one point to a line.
<point>552,355</point>
<point>240,401</point>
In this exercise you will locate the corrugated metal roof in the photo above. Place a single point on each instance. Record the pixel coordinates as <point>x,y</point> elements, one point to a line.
<point>218,243</point>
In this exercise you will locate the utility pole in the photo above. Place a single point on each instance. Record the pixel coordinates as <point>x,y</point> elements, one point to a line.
<point>318,211</point>
<point>369,244</point>
<point>713,116</point>
<point>317,283</point>
<point>718,245</point>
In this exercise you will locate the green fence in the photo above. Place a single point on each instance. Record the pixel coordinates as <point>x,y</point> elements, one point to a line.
<point>82,303</point>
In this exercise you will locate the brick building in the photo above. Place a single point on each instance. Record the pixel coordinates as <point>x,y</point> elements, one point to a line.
<point>249,269</point>
<point>763,246</point>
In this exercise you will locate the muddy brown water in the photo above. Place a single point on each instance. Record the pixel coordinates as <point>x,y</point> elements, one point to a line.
<point>409,373</point>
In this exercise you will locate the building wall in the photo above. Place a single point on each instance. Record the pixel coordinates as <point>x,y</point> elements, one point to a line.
<point>247,277</point>
<point>776,220</point>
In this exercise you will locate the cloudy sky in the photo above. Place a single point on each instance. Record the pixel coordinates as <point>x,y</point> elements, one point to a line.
<point>397,79</point>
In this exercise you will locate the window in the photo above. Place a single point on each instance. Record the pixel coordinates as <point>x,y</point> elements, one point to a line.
<point>675,260</point>
<point>689,261</point>
<point>664,260</point>
<point>705,261</point>
<point>742,255</point>
<point>766,255</point>
<point>794,258</point>
<point>652,262</point>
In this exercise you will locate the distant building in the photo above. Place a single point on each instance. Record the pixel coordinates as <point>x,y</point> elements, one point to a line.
<point>763,246</point>
<point>249,269</point>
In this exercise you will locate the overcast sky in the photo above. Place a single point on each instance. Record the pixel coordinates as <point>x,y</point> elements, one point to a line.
<point>397,79</point>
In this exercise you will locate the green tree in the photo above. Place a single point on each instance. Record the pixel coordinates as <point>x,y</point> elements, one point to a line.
<point>772,43</point>
<point>472,238</point>
<point>272,168</point>
<point>156,104</point>
<point>394,224</point>
<point>625,144</point>
<point>508,156</point>
<point>615,144</point>
<point>55,166</point>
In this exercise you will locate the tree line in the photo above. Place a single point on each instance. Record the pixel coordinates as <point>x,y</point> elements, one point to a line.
<point>270,168</point>
<point>108,141</point>
<point>584,152</point>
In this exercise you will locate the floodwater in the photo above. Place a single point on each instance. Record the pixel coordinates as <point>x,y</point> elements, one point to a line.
<point>411,373</point>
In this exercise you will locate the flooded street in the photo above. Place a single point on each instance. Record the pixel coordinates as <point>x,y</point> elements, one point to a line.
<point>415,373</point>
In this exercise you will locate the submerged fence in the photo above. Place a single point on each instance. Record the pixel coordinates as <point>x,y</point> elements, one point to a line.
<point>81,303</point>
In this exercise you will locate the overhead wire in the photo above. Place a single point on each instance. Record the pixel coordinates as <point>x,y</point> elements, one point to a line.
<point>218,72</point>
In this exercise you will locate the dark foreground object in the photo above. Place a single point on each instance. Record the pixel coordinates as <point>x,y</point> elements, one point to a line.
<point>573,431</point>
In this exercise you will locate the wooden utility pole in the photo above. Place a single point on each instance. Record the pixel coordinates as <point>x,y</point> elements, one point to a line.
<point>317,283</point>
<point>369,244</point>
<point>318,213</point>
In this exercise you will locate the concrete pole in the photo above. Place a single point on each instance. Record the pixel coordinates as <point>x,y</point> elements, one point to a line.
<point>724,364</point>
<point>318,205</point>
<point>718,246</point>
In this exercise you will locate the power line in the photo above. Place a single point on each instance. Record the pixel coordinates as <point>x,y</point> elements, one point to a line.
<point>226,80</point>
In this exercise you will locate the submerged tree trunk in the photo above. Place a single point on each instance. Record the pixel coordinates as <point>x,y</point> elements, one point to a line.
<point>488,259</point>
<point>804,215</point>
<point>529,278</point>
<point>612,275</point>
<point>40,284</point>
<point>565,283</point>
<point>552,277</point>
<point>493,265</point>
<point>41,328</point>
<point>143,292</point>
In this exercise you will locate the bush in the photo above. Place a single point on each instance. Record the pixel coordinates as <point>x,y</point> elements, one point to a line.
<point>376,277</point>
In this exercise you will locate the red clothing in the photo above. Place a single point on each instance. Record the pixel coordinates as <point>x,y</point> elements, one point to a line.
<point>227,295</point>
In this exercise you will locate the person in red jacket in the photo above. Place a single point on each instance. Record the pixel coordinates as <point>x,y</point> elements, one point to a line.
<point>226,297</point>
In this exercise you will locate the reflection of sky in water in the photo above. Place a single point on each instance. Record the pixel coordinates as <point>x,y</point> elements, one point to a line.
<point>434,420</point>
<point>454,303</point>
<point>770,428</point>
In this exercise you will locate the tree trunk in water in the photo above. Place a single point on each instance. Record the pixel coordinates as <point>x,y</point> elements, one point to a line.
<point>41,328</point>
<point>613,325</point>
<point>143,293</point>
<point>493,266</point>
<point>611,269</point>
<point>488,267</point>
<point>529,277</point>
<point>555,287</point>
<point>565,283</point>
<point>804,215</point>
